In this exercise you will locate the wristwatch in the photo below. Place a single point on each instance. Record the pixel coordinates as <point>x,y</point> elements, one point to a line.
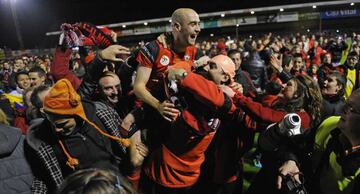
<point>182,76</point>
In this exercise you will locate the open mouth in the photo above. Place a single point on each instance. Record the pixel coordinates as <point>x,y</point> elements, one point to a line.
<point>192,36</point>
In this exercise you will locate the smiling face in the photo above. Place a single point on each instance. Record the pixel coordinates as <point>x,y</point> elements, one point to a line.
<point>35,79</point>
<point>23,81</point>
<point>236,57</point>
<point>110,86</point>
<point>186,28</point>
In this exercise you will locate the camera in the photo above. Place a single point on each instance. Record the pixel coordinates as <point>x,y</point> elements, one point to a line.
<point>290,125</point>
<point>291,186</point>
<point>278,134</point>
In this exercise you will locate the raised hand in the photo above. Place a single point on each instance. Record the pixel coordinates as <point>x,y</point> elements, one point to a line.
<point>111,53</point>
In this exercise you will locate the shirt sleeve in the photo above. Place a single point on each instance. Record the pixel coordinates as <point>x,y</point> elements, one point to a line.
<point>147,54</point>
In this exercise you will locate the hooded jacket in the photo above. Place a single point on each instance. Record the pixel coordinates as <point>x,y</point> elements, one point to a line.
<point>16,175</point>
<point>40,141</point>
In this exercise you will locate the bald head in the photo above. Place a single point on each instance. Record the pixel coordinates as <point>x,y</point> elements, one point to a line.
<point>181,14</point>
<point>185,28</point>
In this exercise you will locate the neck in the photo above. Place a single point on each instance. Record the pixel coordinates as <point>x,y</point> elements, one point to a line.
<point>177,46</point>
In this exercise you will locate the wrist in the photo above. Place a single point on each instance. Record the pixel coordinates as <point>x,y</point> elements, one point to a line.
<point>181,76</point>
<point>100,54</point>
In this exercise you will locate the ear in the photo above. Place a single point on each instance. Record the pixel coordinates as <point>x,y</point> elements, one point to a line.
<point>177,26</point>
<point>339,87</point>
<point>225,78</point>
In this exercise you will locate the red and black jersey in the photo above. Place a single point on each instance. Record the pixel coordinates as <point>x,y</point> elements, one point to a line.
<point>155,56</point>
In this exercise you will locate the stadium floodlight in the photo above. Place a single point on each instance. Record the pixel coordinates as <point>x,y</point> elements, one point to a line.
<point>237,25</point>
<point>211,35</point>
<point>337,31</point>
<point>124,26</point>
<point>281,9</point>
<point>252,12</point>
<point>314,6</point>
<point>308,30</point>
<point>222,15</point>
<point>170,20</point>
<point>352,4</point>
<point>145,23</point>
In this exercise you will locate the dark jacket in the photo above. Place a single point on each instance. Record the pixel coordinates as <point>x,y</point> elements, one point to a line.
<point>257,70</point>
<point>15,173</point>
<point>333,106</point>
<point>243,78</point>
<point>41,141</point>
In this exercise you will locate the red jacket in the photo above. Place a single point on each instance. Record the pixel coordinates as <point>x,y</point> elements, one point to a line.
<point>176,163</point>
<point>266,114</point>
<point>60,68</point>
<point>317,53</point>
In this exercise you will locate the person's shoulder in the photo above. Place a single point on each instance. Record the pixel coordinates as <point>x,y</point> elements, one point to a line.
<point>151,50</point>
<point>39,132</point>
<point>101,105</point>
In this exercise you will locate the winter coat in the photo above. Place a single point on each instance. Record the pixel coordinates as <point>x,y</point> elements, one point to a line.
<point>40,140</point>
<point>16,175</point>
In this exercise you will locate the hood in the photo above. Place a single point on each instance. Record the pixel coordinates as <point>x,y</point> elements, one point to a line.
<point>9,138</point>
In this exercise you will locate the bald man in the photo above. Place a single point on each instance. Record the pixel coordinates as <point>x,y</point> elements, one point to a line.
<point>156,56</point>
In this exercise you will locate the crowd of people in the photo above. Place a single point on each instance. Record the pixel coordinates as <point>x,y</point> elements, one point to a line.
<point>178,116</point>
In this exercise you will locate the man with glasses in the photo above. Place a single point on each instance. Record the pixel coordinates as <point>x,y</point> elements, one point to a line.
<point>335,159</point>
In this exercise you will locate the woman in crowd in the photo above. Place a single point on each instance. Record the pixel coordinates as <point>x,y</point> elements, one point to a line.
<point>301,95</point>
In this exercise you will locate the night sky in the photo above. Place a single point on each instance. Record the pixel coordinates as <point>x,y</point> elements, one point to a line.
<point>36,17</point>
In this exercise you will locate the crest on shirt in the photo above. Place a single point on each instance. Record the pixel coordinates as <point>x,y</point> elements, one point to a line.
<point>187,57</point>
<point>164,60</point>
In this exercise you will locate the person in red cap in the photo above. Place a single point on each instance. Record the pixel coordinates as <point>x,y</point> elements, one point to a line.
<point>71,137</point>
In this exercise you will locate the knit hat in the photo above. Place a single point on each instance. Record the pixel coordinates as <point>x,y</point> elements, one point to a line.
<point>226,64</point>
<point>62,99</point>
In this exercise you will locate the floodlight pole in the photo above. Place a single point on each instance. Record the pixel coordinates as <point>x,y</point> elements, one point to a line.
<point>16,23</point>
<point>320,24</point>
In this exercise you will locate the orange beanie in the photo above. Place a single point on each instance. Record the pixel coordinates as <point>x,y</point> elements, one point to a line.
<point>62,99</point>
